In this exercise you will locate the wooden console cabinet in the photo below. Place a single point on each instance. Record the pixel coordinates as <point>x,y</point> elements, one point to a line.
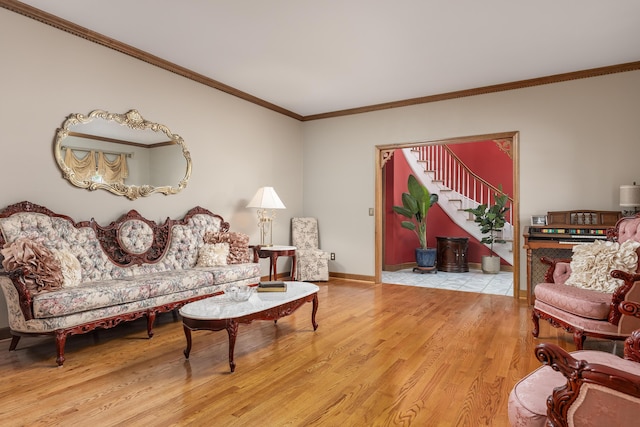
<point>452,254</point>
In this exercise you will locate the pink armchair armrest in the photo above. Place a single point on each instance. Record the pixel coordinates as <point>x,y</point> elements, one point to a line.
<point>580,388</point>
<point>559,270</point>
<point>603,394</point>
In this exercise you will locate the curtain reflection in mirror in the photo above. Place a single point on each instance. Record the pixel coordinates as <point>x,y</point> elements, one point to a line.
<point>114,171</point>
<point>87,168</point>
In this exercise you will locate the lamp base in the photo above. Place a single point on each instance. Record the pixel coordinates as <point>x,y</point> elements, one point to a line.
<point>265,224</point>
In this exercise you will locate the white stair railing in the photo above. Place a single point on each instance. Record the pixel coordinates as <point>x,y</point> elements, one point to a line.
<point>454,175</point>
<point>459,188</point>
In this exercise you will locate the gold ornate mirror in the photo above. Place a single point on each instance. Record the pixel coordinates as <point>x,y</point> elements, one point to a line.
<point>122,153</point>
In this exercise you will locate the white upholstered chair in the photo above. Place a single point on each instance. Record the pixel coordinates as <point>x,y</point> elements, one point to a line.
<point>312,263</point>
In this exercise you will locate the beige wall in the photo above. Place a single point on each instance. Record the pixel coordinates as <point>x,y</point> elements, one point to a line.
<point>47,74</point>
<point>579,141</point>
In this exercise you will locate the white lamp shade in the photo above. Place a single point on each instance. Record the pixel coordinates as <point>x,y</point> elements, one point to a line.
<point>630,195</point>
<point>266,198</point>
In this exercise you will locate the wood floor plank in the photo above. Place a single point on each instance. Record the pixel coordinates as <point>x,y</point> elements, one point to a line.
<point>383,355</point>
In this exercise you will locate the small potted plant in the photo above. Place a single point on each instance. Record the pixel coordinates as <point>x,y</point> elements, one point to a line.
<point>491,219</point>
<point>415,206</point>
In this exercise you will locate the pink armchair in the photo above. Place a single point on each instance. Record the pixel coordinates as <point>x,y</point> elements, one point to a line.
<point>583,388</point>
<point>583,295</point>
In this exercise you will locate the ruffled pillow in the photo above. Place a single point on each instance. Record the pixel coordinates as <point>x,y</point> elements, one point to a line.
<point>592,263</point>
<point>70,267</point>
<point>43,271</point>
<point>213,255</point>
<point>239,251</point>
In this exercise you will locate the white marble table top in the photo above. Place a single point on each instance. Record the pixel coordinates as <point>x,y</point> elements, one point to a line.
<point>221,307</point>
<point>277,248</point>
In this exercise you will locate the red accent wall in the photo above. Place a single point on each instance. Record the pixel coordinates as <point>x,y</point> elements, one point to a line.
<point>487,160</point>
<point>483,157</point>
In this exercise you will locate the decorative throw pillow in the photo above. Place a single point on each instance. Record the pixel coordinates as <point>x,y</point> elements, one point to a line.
<point>239,251</point>
<point>70,267</point>
<point>43,271</point>
<point>592,263</point>
<point>212,255</point>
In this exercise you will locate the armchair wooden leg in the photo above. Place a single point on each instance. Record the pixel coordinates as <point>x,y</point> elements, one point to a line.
<point>536,323</point>
<point>578,339</point>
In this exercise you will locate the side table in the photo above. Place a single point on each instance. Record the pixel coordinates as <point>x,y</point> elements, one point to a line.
<point>452,254</point>
<point>273,252</point>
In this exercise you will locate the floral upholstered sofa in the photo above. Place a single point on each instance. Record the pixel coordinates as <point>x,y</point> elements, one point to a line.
<point>63,278</point>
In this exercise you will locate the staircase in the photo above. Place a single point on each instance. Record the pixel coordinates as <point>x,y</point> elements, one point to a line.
<point>458,188</point>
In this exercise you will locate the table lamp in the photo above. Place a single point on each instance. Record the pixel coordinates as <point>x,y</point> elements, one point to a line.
<point>266,198</point>
<point>630,198</point>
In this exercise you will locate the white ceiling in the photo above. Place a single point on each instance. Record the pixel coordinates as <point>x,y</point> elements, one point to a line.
<point>313,57</point>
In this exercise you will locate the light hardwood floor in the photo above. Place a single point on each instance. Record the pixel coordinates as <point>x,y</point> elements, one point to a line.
<point>382,355</point>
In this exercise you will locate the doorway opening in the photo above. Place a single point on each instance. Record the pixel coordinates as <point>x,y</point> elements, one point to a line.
<point>385,152</point>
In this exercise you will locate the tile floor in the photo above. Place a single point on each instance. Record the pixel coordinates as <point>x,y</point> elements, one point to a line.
<point>471,281</point>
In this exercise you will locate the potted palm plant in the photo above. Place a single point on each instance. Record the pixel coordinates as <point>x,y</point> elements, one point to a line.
<point>415,206</point>
<point>491,219</point>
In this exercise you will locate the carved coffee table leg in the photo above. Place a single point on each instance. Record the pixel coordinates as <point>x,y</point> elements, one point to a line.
<point>187,334</point>
<point>232,330</point>
<point>313,311</point>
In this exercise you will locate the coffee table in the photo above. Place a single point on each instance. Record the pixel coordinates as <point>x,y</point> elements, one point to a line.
<point>220,313</point>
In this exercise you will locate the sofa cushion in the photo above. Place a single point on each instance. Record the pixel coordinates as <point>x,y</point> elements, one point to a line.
<point>173,281</point>
<point>70,266</point>
<point>581,302</point>
<point>88,296</point>
<point>234,272</point>
<point>592,263</point>
<point>239,252</point>
<point>212,254</point>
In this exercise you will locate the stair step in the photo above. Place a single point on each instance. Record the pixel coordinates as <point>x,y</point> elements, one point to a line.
<point>455,200</point>
<point>439,181</point>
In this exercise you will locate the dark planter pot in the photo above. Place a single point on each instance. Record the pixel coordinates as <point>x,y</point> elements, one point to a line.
<point>426,257</point>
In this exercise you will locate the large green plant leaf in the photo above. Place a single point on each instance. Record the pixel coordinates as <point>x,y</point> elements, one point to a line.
<point>415,205</point>
<point>491,218</point>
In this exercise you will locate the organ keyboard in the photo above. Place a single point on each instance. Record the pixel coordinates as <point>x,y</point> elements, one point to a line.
<point>556,239</point>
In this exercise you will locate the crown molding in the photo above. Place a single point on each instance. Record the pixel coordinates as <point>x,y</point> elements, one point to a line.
<point>520,84</point>
<point>85,33</point>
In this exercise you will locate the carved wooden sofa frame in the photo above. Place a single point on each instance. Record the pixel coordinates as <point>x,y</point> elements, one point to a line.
<point>111,245</point>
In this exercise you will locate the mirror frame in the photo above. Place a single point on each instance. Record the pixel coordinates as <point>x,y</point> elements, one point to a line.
<point>133,120</point>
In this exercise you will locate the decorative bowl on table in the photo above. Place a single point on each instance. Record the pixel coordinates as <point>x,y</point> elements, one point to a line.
<point>240,293</point>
